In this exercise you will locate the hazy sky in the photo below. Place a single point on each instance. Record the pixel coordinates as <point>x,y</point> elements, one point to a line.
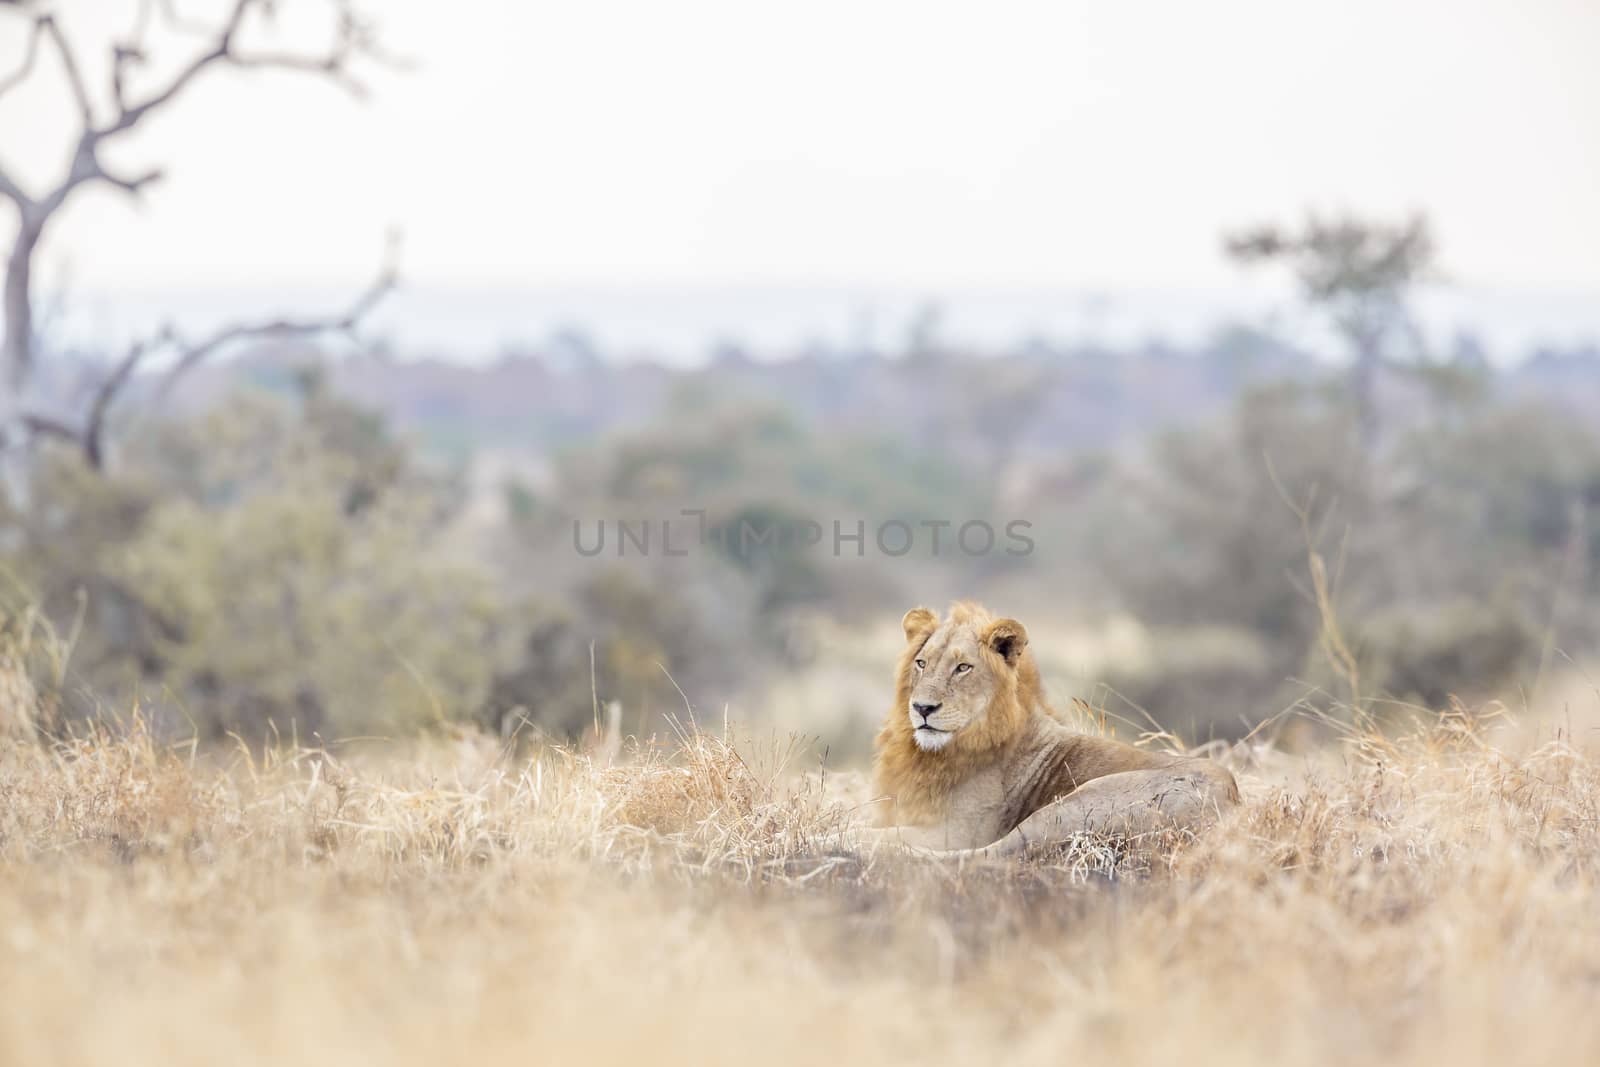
<point>829,142</point>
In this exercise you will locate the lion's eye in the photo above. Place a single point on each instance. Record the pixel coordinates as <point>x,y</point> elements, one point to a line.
<point>921,663</point>
<point>963,668</point>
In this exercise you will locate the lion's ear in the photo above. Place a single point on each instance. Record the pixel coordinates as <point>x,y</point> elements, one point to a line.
<point>1007,637</point>
<point>919,623</point>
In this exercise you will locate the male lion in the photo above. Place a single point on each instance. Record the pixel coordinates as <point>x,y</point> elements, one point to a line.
<point>972,761</point>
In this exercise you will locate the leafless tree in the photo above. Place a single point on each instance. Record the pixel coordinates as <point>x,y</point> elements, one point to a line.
<point>113,118</point>
<point>1360,273</point>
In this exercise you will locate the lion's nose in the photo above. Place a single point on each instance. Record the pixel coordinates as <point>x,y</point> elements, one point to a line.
<point>925,710</point>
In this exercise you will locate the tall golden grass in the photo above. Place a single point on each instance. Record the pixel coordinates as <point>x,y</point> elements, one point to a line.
<point>1430,896</point>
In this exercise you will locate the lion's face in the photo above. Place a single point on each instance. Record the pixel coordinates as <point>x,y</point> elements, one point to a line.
<point>955,671</point>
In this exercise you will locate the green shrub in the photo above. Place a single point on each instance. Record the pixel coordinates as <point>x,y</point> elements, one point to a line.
<point>274,562</point>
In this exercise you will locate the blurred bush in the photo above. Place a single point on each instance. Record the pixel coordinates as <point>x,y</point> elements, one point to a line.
<point>1426,655</point>
<point>723,619</point>
<point>270,562</point>
<point>1456,554</point>
<point>1200,681</point>
<point>283,558</point>
<point>621,637</point>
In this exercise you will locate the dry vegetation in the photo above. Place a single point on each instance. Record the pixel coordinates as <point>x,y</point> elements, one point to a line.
<point>1425,897</point>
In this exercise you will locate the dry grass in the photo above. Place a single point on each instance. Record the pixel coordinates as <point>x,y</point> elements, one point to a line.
<point>1426,898</point>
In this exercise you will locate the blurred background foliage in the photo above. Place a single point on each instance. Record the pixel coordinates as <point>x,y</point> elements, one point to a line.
<point>289,525</point>
<point>271,561</point>
<point>281,552</point>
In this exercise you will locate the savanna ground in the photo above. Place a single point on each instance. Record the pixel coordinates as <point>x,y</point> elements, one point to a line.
<point>1425,892</point>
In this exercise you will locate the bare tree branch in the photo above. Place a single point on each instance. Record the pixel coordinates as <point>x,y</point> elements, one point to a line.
<point>132,186</point>
<point>49,426</point>
<point>9,188</point>
<point>388,278</point>
<point>18,292</point>
<point>91,438</point>
<point>123,56</point>
<point>128,117</point>
<point>169,13</point>
<point>12,81</point>
<point>354,38</point>
<point>129,52</point>
<point>46,26</point>
<point>69,61</point>
<point>332,65</point>
<point>11,191</point>
<point>94,430</point>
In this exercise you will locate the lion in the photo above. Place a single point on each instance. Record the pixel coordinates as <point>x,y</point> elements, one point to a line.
<point>972,761</point>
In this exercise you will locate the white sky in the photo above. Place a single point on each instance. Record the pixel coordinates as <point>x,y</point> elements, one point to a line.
<point>820,142</point>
